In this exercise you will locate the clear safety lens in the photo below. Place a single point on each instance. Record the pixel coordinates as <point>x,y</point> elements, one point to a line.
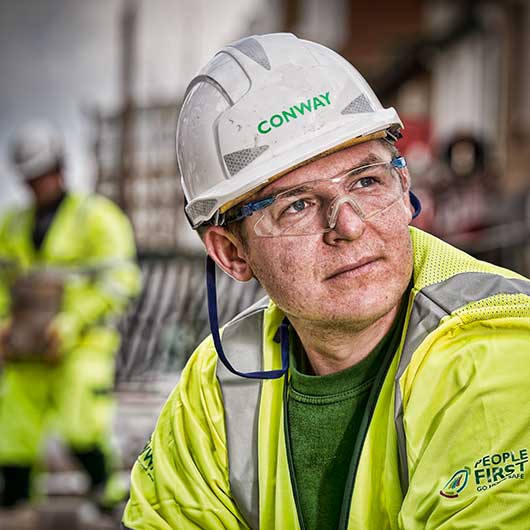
<point>313,207</point>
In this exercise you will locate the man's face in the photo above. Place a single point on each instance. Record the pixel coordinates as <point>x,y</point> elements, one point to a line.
<point>348,277</point>
<point>47,188</point>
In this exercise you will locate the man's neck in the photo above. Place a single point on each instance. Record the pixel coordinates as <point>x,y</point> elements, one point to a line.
<point>331,349</point>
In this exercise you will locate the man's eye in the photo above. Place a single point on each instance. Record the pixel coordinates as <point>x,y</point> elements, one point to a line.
<point>365,182</point>
<point>297,206</point>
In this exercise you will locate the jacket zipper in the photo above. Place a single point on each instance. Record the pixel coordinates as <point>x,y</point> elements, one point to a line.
<point>290,454</point>
<point>359,442</point>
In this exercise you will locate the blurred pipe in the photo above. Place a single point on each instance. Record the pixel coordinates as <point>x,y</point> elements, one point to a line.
<point>291,10</point>
<point>415,59</point>
<point>515,29</point>
<point>515,122</point>
<point>128,63</point>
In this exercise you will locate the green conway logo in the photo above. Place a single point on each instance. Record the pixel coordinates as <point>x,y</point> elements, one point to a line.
<point>294,112</point>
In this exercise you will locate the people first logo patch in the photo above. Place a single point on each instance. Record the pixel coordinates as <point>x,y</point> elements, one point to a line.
<point>488,471</point>
<point>456,483</point>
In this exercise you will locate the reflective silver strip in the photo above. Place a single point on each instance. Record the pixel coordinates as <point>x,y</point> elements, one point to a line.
<point>243,342</point>
<point>253,49</point>
<point>238,160</point>
<point>431,304</point>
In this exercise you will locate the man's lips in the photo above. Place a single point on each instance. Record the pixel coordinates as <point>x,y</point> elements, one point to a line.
<point>359,266</point>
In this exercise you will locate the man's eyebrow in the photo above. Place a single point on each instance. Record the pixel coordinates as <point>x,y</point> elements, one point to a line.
<point>290,190</point>
<point>295,191</point>
<point>367,160</point>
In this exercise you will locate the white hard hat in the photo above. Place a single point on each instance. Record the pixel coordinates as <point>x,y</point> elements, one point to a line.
<point>36,149</point>
<point>263,106</point>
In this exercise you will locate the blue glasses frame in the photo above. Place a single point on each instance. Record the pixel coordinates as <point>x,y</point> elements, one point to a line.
<point>248,209</point>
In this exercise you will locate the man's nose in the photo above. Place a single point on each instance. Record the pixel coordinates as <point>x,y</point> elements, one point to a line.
<point>345,218</point>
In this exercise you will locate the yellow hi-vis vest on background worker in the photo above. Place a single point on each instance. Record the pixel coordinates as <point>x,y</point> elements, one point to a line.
<point>90,245</point>
<point>445,441</point>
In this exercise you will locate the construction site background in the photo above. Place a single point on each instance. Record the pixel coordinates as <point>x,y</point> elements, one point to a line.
<point>458,73</point>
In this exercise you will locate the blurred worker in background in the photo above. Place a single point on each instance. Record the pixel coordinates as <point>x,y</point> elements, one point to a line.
<point>384,383</point>
<point>67,271</point>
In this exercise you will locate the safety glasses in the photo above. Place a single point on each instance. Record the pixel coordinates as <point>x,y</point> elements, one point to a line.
<point>313,207</point>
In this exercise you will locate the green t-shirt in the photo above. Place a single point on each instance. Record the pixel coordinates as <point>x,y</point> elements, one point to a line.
<point>324,418</point>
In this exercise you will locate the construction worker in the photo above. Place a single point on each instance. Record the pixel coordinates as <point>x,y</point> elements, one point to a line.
<point>383,383</point>
<point>68,268</point>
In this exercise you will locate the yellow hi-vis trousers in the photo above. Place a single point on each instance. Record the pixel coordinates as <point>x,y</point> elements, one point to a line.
<point>73,398</point>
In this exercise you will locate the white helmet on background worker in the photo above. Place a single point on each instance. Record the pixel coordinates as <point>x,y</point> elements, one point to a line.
<point>263,106</point>
<point>36,149</point>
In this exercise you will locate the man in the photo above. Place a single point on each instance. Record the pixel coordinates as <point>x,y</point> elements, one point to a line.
<point>383,383</point>
<point>68,268</point>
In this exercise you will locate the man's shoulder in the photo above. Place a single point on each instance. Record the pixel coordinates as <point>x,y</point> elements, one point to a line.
<point>15,218</point>
<point>472,327</point>
<point>11,211</point>
<point>238,335</point>
<point>436,261</point>
<point>241,334</point>
<point>99,213</point>
<point>91,201</point>
<point>452,279</point>
<point>250,313</point>
<point>456,295</point>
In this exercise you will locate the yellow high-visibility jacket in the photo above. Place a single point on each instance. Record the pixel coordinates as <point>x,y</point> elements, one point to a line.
<point>91,245</point>
<point>446,432</point>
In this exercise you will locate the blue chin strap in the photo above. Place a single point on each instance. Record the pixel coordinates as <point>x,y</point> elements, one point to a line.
<point>214,328</point>
<point>416,204</point>
<point>284,326</point>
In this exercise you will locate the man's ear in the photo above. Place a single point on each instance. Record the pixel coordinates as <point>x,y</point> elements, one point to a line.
<point>405,179</point>
<point>228,252</point>
<point>405,183</point>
